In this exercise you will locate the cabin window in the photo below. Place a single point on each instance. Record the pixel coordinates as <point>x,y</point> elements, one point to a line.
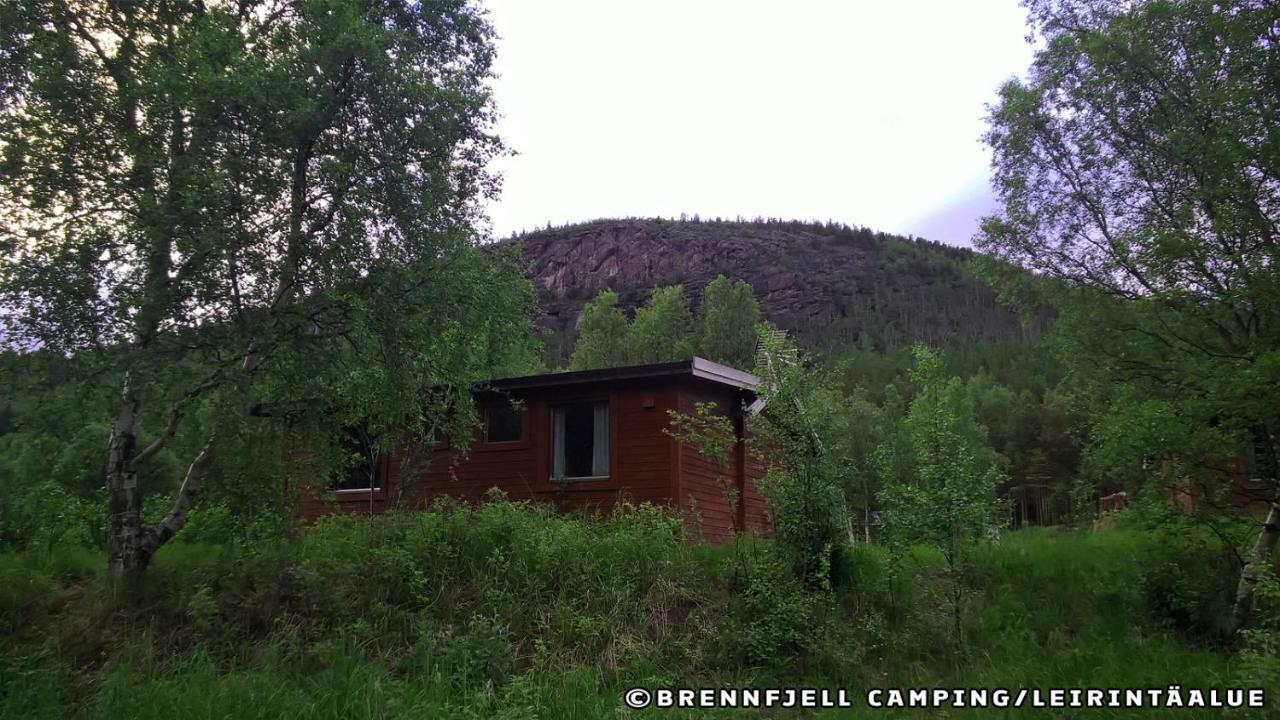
<point>362,466</point>
<point>503,423</point>
<point>439,438</point>
<point>580,437</point>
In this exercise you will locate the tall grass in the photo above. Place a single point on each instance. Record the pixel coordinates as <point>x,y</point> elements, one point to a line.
<point>511,610</point>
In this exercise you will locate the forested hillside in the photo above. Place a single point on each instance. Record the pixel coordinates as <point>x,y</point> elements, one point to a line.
<point>243,264</point>
<point>831,285</point>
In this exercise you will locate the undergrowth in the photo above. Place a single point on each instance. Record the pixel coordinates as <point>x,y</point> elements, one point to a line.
<point>510,610</point>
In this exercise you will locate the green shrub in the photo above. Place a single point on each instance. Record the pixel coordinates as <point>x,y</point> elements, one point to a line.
<point>477,654</point>
<point>29,578</point>
<point>582,586</point>
<point>1260,658</point>
<point>510,610</point>
<point>1188,582</point>
<point>774,617</point>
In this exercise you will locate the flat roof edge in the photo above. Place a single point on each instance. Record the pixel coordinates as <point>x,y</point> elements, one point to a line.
<point>696,367</point>
<point>708,370</point>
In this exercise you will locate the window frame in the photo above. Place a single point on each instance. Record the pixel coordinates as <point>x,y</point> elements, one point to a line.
<point>554,409</point>
<point>522,410</point>
<point>380,462</point>
<point>480,434</point>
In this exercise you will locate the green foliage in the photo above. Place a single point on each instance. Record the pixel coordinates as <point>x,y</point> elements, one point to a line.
<point>1135,164</point>
<point>1013,390</point>
<point>50,453</point>
<point>1189,574</point>
<point>775,616</point>
<point>1260,658</point>
<point>862,427</point>
<point>662,330</point>
<point>351,687</point>
<point>513,611</point>
<point>1193,590</point>
<point>45,515</point>
<point>245,216</point>
<point>726,324</point>
<point>710,431</point>
<point>948,500</point>
<point>801,436</point>
<point>33,686</point>
<point>504,571</point>
<point>666,330</point>
<point>602,335</point>
<point>27,579</point>
<point>1130,439</point>
<point>51,457</point>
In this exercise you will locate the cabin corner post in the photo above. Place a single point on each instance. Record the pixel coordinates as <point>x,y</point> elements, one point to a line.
<point>740,469</point>
<point>677,459</point>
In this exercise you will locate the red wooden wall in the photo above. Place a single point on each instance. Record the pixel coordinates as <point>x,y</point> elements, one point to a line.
<point>639,457</point>
<point>645,464</point>
<point>705,488</point>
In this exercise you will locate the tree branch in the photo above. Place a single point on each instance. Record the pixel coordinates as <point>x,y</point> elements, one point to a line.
<point>171,427</point>
<point>186,495</point>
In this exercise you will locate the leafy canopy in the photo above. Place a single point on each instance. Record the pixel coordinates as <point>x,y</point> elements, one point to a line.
<point>662,330</point>
<point>803,442</point>
<point>1138,168</point>
<point>602,334</point>
<point>254,208</point>
<point>723,330</point>
<point>942,492</point>
<point>727,322</point>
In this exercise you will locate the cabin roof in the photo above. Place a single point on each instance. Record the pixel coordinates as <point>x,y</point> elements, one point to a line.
<point>698,368</point>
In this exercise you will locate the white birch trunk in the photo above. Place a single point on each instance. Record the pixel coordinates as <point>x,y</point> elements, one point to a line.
<point>124,502</point>
<point>1262,548</point>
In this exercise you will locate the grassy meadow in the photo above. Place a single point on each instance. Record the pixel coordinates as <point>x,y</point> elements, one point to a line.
<point>511,611</point>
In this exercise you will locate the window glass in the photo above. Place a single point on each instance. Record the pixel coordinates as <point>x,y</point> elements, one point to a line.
<point>503,423</point>
<point>581,440</point>
<point>362,469</point>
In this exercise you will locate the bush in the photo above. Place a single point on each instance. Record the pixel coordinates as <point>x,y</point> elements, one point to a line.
<point>583,587</point>
<point>1188,582</point>
<point>510,610</point>
<point>46,516</point>
<point>774,617</point>
<point>27,579</point>
<point>476,655</point>
<point>1260,659</point>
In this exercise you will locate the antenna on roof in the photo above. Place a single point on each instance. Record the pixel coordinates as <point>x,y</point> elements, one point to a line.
<point>773,354</point>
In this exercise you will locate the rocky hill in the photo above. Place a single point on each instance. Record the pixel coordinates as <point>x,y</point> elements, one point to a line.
<point>828,284</point>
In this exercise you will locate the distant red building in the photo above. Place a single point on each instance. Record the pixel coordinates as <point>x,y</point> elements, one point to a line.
<point>1227,482</point>
<point>581,440</point>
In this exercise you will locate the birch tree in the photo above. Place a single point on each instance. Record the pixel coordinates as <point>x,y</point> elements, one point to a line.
<point>802,440</point>
<point>602,334</point>
<point>264,205</point>
<point>726,323</point>
<point>1138,165</point>
<point>943,492</point>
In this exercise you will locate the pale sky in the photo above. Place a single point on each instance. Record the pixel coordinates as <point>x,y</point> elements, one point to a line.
<point>868,113</point>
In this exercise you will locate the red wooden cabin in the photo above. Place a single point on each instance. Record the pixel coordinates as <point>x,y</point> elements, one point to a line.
<point>581,440</point>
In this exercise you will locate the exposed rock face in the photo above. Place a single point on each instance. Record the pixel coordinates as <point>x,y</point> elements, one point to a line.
<point>828,285</point>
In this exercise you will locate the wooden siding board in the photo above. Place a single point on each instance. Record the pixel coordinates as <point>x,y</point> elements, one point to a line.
<point>646,465</point>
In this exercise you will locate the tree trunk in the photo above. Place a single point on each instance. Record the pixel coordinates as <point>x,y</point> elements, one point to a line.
<point>125,552</point>
<point>1261,554</point>
<point>866,511</point>
<point>130,546</point>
